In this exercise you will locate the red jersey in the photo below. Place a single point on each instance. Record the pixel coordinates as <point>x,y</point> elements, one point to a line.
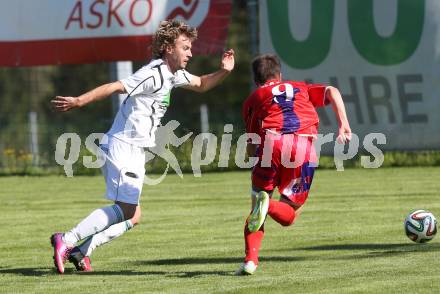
<point>285,107</point>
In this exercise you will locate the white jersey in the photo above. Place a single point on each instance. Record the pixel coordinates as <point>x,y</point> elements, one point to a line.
<point>147,101</point>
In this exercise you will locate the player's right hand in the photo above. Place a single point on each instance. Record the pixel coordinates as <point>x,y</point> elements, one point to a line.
<point>63,104</point>
<point>344,134</point>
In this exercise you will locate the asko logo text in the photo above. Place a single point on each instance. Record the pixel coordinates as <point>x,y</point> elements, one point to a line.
<point>123,13</point>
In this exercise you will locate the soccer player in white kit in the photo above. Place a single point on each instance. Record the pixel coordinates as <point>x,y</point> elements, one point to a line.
<point>133,129</point>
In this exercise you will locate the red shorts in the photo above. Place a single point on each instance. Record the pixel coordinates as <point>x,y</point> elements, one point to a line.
<point>288,162</point>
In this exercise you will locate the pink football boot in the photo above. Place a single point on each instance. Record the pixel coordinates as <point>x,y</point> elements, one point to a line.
<point>61,251</point>
<point>82,263</point>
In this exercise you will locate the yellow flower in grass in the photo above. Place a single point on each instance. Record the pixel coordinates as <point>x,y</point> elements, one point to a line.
<point>9,152</point>
<point>25,156</point>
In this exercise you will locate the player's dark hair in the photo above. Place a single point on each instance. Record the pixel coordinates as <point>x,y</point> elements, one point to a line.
<point>265,67</point>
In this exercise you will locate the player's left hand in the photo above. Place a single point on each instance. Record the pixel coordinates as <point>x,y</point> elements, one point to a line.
<point>228,60</point>
<point>344,134</point>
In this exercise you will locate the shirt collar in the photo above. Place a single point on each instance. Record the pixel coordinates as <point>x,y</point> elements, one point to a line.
<point>272,81</point>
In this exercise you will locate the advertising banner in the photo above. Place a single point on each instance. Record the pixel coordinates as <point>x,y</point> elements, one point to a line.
<point>384,56</point>
<point>86,31</point>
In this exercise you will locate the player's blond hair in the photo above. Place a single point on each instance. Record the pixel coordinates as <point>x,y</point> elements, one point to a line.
<point>167,34</point>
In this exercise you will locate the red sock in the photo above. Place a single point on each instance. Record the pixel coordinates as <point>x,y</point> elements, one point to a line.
<point>281,212</point>
<point>252,243</point>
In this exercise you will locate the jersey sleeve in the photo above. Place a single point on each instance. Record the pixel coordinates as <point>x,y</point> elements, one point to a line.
<point>317,94</point>
<point>144,81</point>
<point>183,78</point>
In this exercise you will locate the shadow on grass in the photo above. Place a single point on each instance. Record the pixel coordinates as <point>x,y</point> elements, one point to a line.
<point>375,250</point>
<point>125,273</point>
<point>40,272</point>
<point>404,247</point>
<point>28,271</point>
<point>171,274</point>
<point>212,260</point>
<point>196,274</point>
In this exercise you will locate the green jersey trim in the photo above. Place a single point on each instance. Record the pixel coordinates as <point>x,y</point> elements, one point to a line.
<point>167,99</point>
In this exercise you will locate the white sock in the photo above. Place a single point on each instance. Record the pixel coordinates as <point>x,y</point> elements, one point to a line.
<point>97,221</point>
<point>105,236</point>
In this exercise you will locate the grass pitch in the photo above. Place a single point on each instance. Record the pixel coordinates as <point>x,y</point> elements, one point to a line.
<point>349,238</point>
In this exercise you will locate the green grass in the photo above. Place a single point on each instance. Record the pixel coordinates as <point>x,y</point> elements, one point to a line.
<point>349,238</point>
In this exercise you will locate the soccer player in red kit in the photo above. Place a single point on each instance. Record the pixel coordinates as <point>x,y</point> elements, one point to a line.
<point>283,115</point>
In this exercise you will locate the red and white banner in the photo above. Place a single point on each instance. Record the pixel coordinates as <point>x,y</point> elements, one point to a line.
<point>86,31</point>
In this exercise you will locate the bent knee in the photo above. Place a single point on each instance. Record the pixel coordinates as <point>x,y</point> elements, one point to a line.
<point>289,222</point>
<point>294,205</point>
<point>136,219</point>
<point>129,210</point>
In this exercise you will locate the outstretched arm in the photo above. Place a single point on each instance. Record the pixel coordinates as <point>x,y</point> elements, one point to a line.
<point>209,81</point>
<point>62,104</point>
<point>335,98</point>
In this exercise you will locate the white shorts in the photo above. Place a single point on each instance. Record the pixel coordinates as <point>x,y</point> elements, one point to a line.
<point>124,171</point>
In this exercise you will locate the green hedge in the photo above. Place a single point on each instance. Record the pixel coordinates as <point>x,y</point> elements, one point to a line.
<point>19,163</point>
